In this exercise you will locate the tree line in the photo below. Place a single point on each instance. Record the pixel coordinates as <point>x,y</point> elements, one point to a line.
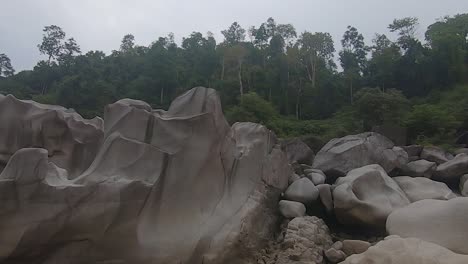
<point>270,65</point>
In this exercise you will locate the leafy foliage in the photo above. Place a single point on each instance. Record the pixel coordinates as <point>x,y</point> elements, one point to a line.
<point>286,80</point>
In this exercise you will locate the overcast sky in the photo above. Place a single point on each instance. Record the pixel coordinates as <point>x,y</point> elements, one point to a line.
<point>101,24</point>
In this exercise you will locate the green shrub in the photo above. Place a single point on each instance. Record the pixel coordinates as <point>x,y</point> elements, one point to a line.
<point>431,124</point>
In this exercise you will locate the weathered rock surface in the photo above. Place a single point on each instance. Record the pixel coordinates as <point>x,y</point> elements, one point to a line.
<point>436,154</point>
<point>341,155</point>
<point>303,191</point>
<point>464,185</point>
<point>419,168</point>
<point>297,151</point>
<point>396,250</point>
<point>351,247</point>
<point>290,209</point>
<point>366,196</point>
<point>439,222</point>
<point>305,240</point>
<point>176,186</point>
<point>71,141</point>
<point>452,170</point>
<point>420,188</point>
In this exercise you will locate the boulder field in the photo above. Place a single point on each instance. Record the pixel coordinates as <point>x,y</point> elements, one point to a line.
<point>182,186</point>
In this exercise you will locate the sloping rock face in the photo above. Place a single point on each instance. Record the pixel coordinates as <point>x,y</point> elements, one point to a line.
<point>396,250</point>
<point>71,141</point>
<point>176,186</point>
<point>341,155</point>
<point>366,196</point>
<point>439,222</point>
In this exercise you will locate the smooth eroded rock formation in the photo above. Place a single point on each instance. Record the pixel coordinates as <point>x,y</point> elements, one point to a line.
<point>341,155</point>
<point>439,222</point>
<point>71,141</point>
<point>396,250</point>
<point>366,196</point>
<point>176,186</point>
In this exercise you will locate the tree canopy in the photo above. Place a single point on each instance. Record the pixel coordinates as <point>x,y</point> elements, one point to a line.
<point>269,73</point>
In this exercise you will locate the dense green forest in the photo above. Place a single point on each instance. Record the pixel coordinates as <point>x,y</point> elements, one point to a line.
<point>295,83</point>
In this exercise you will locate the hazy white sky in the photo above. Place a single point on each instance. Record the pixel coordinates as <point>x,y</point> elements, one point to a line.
<point>101,24</point>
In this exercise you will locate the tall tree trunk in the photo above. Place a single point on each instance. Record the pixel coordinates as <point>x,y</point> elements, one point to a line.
<point>351,90</point>
<point>308,72</point>
<point>241,87</point>
<point>222,70</point>
<point>162,95</point>
<point>313,67</point>
<point>286,97</point>
<point>298,99</point>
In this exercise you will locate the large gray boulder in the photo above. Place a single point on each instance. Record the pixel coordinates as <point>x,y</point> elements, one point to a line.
<point>452,170</point>
<point>435,154</point>
<point>420,188</point>
<point>176,186</point>
<point>366,196</point>
<point>436,221</point>
<point>419,168</point>
<point>396,250</point>
<point>303,191</point>
<point>298,151</point>
<point>341,155</point>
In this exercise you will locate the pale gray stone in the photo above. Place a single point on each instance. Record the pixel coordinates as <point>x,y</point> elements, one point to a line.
<point>303,191</point>
<point>316,178</point>
<point>290,209</point>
